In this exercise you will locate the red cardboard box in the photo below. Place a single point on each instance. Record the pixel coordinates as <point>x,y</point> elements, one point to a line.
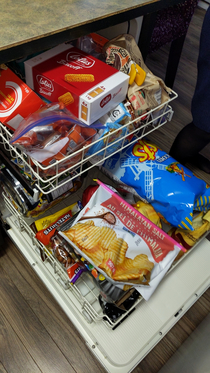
<point>101,88</point>
<point>17,100</point>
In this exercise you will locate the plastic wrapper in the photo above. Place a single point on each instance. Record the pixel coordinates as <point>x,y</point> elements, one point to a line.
<point>92,44</point>
<point>148,211</point>
<point>154,176</point>
<point>52,133</point>
<point>201,225</point>
<point>138,103</point>
<point>136,122</point>
<point>67,258</point>
<point>119,114</point>
<point>109,140</point>
<point>123,50</point>
<point>112,130</point>
<point>47,226</point>
<point>121,243</point>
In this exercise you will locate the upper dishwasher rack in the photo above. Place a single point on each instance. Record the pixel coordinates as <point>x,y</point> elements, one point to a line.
<point>154,119</point>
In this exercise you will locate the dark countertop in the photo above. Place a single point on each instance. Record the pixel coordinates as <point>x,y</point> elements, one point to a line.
<point>31,26</point>
<point>23,20</point>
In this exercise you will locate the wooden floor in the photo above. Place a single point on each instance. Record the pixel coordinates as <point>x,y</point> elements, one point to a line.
<point>35,334</point>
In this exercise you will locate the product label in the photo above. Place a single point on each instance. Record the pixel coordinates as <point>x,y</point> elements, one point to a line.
<point>156,239</point>
<point>17,100</point>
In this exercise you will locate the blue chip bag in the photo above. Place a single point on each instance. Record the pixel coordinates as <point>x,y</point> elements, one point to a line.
<point>173,190</point>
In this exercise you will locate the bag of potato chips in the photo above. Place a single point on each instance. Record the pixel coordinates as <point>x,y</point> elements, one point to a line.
<point>148,172</point>
<point>122,244</point>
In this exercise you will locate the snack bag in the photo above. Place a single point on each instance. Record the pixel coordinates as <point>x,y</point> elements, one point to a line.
<point>111,132</point>
<point>201,225</point>
<point>148,211</point>
<point>46,227</point>
<point>119,114</point>
<point>122,244</point>
<point>109,141</point>
<point>67,258</point>
<point>52,133</point>
<point>154,176</point>
<point>123,50</point>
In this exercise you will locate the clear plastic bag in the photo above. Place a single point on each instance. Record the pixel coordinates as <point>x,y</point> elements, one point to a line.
<point>52,133</point>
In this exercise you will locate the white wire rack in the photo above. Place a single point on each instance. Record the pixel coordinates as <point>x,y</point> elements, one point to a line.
<point>155,118</point>
<point>85,291</point>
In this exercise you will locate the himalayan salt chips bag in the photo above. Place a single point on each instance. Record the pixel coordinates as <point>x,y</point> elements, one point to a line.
<point>122,244</point>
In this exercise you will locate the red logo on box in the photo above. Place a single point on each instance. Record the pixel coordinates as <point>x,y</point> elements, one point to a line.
<point>45,83</point>
<point>105,100</point>
<point>80,59</point>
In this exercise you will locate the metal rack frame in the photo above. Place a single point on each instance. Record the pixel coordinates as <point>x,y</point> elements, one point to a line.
<point>154,119</point>
<point>85,292</point>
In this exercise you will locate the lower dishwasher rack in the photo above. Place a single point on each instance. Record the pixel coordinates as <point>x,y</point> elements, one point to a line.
<point>84,293</point>
<point>122,349</point>
<point>119,350</point>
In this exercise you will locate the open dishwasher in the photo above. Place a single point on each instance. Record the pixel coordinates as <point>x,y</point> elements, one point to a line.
<point>119,345</point>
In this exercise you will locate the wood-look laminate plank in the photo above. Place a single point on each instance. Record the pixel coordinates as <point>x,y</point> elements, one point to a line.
<point>30,330</point>
<point>48,312</point>
<point>13,354</point>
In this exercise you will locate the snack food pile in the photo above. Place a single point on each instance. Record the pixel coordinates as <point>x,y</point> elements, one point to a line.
<point>50,135</point>
<point>121,243</point>
<point>61,127</point>
<point>87,101</point>
<point>118,247</point>
<point>146,91</point>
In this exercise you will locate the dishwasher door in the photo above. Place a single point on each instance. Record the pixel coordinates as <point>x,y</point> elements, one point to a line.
<point>122,348</point>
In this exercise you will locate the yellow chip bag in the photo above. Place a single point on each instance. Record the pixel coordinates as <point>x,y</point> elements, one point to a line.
<point>50,223</point>
<point>48,220</point>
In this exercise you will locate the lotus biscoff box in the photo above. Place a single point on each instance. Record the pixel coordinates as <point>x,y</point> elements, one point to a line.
<point>88,87</point>
<point>17,100</point>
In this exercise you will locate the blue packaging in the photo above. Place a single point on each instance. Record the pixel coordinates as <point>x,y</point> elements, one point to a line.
<point>173,190</point>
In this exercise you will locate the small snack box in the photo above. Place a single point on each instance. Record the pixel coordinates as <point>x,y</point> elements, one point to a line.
<point>17,100</point>
<point>88,87</point>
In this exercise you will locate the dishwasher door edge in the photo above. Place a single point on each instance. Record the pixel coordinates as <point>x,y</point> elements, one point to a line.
<point>109,346</point>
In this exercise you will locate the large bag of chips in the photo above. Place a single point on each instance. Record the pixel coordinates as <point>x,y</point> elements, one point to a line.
<point>173,190</point>
<point>122,244</point>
